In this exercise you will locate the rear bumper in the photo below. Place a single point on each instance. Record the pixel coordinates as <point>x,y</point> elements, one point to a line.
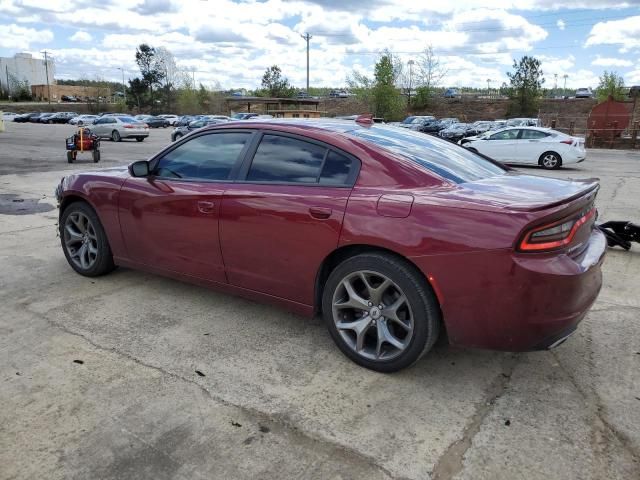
<point>502,300</point>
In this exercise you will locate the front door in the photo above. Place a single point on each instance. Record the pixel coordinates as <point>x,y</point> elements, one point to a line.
<point>284,217</point>
<point>503,146</point>
<point>169,220</point>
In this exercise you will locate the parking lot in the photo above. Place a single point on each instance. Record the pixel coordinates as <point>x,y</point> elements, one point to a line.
<point>137,376</point>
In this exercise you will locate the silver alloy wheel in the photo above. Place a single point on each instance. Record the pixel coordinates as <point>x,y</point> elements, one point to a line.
<point>550,160</point>
<point>115,136</point>
<point>372,315</point>
<point>81,240</point>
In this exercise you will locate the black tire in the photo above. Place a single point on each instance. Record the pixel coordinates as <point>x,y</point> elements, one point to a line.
<point>546,161</point>
<point>50,122</point>
<point>96,156</point>
<point>178,136</point>
<point>103,263</point>
<point>80,123</point>
<point>115,136</point>
<point>139,139</point>
<point>421,300</point>
<point>70,158</point>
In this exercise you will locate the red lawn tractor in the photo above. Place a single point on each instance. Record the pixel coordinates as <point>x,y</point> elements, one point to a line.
<point>83,141</point>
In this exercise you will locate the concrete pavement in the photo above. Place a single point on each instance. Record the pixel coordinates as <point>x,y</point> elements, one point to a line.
<point>137,376</point>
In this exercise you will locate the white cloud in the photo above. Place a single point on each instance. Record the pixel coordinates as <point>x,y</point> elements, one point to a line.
<point>560,24</point>
<point>633,77</point>
<point>612,62</point>
<point>81,36</point>
<point>625,32</point>
<point>20,38</point>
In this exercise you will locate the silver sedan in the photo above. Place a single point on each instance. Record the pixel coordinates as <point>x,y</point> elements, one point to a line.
<point>117,128</point>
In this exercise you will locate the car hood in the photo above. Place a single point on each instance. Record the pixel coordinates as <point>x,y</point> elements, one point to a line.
<point>516,191</point>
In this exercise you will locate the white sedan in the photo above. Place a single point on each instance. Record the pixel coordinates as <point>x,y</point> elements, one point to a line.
<point>529,146</point>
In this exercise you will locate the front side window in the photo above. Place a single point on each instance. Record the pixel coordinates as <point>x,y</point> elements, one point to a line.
<point>206,157</point>
<point>505,135</point>
<point>286,160</point>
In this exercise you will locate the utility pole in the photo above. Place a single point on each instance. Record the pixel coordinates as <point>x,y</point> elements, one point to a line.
<point>555,84</point>
<point>307,37</point>
<point>6,68</point>
<point>564,93</point>
<point>46,69</point>
<point>489,87</point>
<point>124,89</point>
<point>410,62</point>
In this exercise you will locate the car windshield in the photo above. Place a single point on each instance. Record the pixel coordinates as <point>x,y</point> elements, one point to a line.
<point>408,120</point>
<point>450,161</point>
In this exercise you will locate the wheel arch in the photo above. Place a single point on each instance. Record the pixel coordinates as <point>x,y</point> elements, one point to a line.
<point>341,254</point>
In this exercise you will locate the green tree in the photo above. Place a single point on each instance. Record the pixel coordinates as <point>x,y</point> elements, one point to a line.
<point>275,85</point>
<point>526,86</point>
<point>150,68</point>
<point>387,102</point>
<point>20,89</point>
<point>610,84</point>
<point>137,92</point>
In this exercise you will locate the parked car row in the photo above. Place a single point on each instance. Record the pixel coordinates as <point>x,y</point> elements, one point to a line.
<point>45,117</point>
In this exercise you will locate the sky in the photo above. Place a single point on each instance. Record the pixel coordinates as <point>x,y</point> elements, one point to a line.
<point>232,42</point>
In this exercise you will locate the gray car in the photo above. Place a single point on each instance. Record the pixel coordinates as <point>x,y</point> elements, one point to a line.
<point>117,128</point>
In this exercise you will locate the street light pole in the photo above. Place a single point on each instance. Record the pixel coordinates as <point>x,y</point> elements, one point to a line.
<point>565,85</point>
<point>411,62</point>
<point>489,87</point>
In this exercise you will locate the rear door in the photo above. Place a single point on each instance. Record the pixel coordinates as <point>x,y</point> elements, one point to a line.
<point>532,144</point>
<point>284,214</point>
<point>169,220</point>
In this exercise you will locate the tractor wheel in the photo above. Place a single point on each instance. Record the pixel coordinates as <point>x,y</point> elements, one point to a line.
<point>96,156</point>
<point>70,158</point>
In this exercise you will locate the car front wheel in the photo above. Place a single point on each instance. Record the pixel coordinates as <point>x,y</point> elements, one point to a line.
<point>115,136</point>
<point>84,241</point>
<point>380,311</point>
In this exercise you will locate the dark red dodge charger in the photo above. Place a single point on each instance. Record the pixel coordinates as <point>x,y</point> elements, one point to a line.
<point>395,236</point>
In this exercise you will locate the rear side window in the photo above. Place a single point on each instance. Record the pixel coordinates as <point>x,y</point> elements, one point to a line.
<point>533,134</point>
<point>337,169</point>
<point>287,160</point>
<point>443,158</point>
<point>206,157</point>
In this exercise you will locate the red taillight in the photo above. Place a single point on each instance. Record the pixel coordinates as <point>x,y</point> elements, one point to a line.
<point>129,126</point>
<point>567,142</point>
<point>554,235</point>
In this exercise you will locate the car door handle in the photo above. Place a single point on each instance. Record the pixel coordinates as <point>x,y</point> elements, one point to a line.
<point>320,213</point>
<point>206,207</point>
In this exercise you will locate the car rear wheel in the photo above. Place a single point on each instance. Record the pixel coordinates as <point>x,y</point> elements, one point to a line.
<point>115,136</point>
<point>84,241</point>
<point>139,139</point>
<point>550,160</point>
<point>380,311</point>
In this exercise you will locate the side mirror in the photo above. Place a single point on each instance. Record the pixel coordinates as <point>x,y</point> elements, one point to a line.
<point>139,169</point>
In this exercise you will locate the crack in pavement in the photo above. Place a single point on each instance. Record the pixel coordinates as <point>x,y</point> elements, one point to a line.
<point>279,419</point>
<point>595,404</point>
<point>450,463</point>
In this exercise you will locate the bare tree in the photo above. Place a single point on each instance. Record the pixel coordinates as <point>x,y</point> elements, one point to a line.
<point>429,74</point>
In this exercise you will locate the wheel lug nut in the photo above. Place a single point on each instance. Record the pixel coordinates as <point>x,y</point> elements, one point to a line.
<point>370,304</point>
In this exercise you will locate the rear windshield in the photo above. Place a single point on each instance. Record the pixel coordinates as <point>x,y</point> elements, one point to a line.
<point>446,159</point>
<point>128,120</point>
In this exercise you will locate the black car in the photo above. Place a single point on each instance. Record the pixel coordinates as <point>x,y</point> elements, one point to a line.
<point>156,122</point>
<point>196,124</point>
<point>24,117</point>
<point>69,98</point>
<point>61,117</point>
<point>39,117</point>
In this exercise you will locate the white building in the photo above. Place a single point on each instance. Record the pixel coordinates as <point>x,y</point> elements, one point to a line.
<point>22,66</point>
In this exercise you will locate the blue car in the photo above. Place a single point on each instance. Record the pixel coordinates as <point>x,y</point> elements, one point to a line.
<point>451,93</point>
